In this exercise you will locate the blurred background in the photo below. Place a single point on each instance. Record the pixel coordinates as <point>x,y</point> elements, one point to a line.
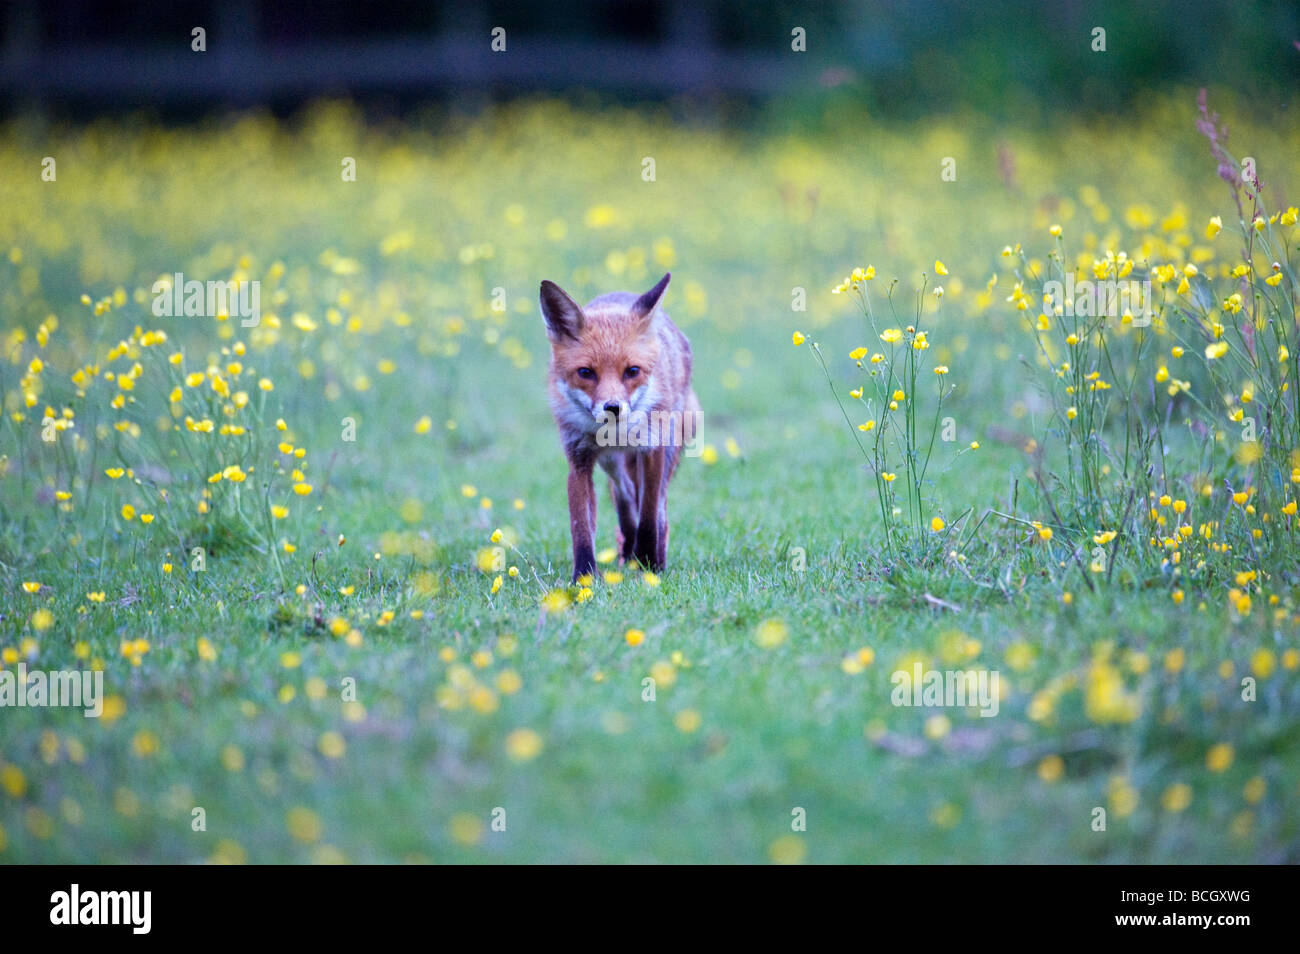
<point>900,57</point>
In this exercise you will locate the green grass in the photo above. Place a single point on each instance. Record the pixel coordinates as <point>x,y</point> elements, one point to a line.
<point>617,778</point>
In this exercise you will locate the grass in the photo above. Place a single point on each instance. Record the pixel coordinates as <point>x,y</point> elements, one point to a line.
<point>310,726</point>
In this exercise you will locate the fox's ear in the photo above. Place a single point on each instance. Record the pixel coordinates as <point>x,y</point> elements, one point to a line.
<point>562,314</point>
<point>645,306</point>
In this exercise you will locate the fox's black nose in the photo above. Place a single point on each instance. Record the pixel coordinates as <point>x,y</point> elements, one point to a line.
<point>612,407</point>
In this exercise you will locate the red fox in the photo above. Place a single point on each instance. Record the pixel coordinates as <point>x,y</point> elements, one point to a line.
<point>620,390</point>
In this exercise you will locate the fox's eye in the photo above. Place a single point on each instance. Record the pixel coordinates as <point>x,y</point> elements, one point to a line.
<point>632,372</point>
<point>586,373</point>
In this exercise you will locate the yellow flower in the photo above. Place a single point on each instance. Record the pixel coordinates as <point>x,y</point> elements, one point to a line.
<point>302,490</point>
<point>523,745</point>
<point>1219,757</point>
<point>937,524</point>
<point>1263,663</point>
<point>771,633</point>
<point>1216,350</point>
<point>1214,227</point>
<point>1177,797</point>
<point>940,268</point>
<point>857,354</point>
<point>556,601</point>
<point>687,721</point>
<point>634,637</point>
<point>1051,769</point>
<point>332,745</point>
<point>303,824</point>
<point>31,587</point>
<point>891,335</point>
<point>128,512</point>
<point>798,339</point>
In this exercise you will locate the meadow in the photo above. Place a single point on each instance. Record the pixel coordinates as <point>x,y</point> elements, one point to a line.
<point>323,563</point>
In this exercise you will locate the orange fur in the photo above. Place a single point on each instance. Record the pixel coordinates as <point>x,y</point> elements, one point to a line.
<point>620,391</point>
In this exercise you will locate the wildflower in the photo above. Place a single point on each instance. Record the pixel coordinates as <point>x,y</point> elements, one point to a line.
<point>1051,768</point>
<point>523,745</point>
<point>771,633</point>
<point>1176,798</point>
<point>687,721</point>
<point>1219,757</point>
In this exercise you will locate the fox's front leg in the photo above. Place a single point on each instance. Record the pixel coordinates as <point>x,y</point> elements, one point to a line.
<point>623,478</point>
<point>652,528</point>
<point>582,518</point>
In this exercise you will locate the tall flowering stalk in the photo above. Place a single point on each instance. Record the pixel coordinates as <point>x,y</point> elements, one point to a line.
<point>901,437</point>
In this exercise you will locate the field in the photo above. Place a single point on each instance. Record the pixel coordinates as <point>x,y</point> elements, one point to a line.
<point>345,630</point>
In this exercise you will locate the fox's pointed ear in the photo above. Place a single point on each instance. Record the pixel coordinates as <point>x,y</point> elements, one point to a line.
<point>563,316</point>
<point>645,306</point>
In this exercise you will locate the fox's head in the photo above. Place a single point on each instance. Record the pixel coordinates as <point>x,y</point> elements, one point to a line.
<point>603,357</point>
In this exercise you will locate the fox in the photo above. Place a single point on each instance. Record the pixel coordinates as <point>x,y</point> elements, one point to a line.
<point>619,388</point>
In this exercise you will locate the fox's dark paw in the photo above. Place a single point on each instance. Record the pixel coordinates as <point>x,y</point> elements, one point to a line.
<point>584,563</point>
<point>647,560</point>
